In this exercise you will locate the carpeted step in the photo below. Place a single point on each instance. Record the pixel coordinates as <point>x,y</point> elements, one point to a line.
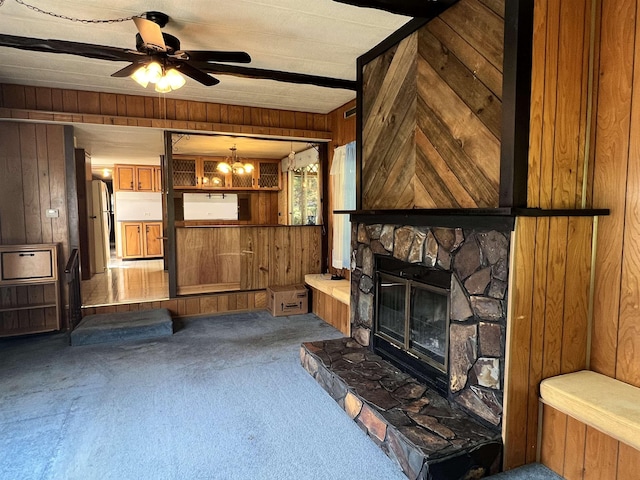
<point>123,326</point>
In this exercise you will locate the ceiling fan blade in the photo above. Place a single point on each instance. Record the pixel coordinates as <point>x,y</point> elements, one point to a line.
<point>197,74</point>
<point>131,68</point>
<point>151,34</point>
<point>218,56</point>
<point>88,50</point>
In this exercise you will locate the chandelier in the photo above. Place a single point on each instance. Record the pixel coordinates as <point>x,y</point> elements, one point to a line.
<point>233,164</point>
<point>164,80</point>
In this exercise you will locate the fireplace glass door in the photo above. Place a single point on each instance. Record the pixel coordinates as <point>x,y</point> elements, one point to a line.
<point>414,317</point>
<point>429,324</point>
<point>392,307</point>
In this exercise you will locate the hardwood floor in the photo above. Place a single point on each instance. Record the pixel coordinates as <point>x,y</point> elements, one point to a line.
<point>127,281</point>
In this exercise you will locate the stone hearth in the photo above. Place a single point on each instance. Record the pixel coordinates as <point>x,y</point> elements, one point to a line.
<point>428,436</point>
<point>478,262</point>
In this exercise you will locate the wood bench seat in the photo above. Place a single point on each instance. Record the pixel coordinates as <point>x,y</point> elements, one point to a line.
<point>330,300</point>
<point>606,404</point>
<point>338,289</point>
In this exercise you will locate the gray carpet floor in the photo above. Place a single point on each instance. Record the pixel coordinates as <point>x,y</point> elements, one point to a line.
<point>223,398</point>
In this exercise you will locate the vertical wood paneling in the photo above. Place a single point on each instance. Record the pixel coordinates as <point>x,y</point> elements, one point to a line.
<point>615,90</point>
<point>576,305</point>
<point>601,456</point>
<point>548,321</point>
<point>12,208</point>
<point>554,431</point>
<point>576,438</point>
<point>518,344</point>
<point>628,351</point>
<point>245,258</point>
<point>628,462</point>
<point>137,110</point>
<point>579,452</point>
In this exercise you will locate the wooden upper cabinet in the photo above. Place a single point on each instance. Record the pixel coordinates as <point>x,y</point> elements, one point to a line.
<point>138,178</point>
<point>199,172</point>
<point>145,179</point>
<point>125,178</point>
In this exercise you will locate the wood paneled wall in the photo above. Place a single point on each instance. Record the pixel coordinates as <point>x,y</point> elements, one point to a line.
<point>58,105</point>
<point>432,114</point>
<point>245,258</point>
<point>559,104</point>
<point>579,452</point>
<point>615,350</point>
<point>548,322</point>
<point>32,180</point>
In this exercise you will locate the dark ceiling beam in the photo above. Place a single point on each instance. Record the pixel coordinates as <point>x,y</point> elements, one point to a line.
<point>412,8</point>
<point>277,75</point>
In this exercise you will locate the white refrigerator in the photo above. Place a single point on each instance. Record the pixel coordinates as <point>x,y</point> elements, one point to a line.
<point>100,223</point>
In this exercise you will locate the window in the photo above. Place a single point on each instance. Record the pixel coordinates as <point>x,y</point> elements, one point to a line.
<point>304,195</point>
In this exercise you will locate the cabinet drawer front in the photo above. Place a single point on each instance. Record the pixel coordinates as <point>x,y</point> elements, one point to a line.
<point>33,264</point>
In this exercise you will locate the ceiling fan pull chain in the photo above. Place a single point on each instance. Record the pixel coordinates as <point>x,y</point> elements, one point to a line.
<point>72,19</point>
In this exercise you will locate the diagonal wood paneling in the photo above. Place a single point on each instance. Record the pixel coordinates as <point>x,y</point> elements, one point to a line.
<point>432,114</point>
<point>387,132</point>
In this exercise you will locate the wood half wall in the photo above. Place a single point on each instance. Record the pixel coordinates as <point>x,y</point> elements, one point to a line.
<point>432,114</point>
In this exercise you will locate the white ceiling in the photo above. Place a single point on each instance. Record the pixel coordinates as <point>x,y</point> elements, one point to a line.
<point>316,37</point>
<point>109,145</point>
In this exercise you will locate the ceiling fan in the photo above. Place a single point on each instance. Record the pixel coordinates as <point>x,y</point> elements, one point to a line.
<point>156,54</point>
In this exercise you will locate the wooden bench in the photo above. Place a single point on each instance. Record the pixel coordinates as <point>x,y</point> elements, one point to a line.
<point>330,300</point>
<point>577,403</point>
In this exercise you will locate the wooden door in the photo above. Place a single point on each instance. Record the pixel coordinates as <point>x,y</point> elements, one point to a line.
<point>153,239</point>
<point>132,240</point>
<point>145,176</point>
<point>125,177</point>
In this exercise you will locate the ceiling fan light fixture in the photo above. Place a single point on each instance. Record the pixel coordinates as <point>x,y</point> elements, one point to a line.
<point>174,78</point>
<point>154,72</point>
<point>140,76</point>
<point>163,85</point>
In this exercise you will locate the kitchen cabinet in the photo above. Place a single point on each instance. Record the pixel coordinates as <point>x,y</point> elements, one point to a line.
<point>29,289</point>
<point>141,239</point>
<point>137,178</point>
<point>201,172</point>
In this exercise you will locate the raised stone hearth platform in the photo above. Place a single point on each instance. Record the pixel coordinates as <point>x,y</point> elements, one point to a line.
<point>428,436</point>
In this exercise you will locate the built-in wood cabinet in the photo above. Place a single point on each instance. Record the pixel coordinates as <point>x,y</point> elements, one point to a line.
<point>201,172</point>
<point>137,178</point>
<point>141,239</point>
<point>29,289</point>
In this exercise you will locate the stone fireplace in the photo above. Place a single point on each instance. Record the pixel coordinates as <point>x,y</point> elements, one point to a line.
<point>470,267</point>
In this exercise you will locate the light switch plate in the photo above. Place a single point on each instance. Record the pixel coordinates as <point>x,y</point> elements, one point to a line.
<point>52,213</point>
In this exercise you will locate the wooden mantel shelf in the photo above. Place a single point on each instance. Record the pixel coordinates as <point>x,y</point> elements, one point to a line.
<point>496,218</point>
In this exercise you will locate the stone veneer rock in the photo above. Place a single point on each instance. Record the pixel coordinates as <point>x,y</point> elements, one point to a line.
<point>427,436</point>
<point>478,261</point>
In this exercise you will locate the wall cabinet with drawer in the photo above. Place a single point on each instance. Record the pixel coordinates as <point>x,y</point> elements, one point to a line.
<point>29,289</point>
<point>137,178</point>
<point>201,172</point>
<point>141,239</point>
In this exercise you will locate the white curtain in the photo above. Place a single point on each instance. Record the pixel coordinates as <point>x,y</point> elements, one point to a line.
<point>343,182</point>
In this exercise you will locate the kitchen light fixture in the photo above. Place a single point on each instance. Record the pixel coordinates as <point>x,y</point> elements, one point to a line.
<point>233,164</point>
<point>164,81</point>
